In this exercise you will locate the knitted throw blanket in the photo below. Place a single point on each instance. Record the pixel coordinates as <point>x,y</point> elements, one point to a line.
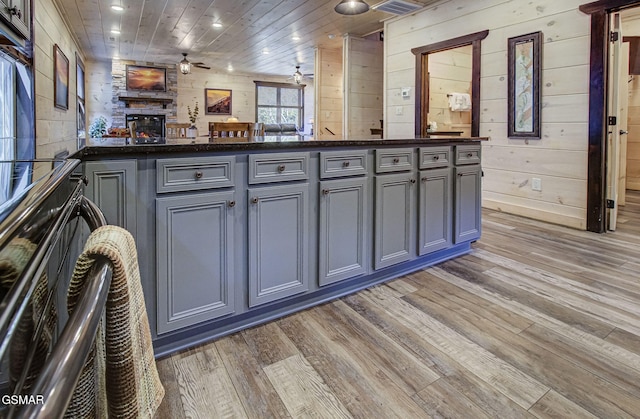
<point>133,388</point>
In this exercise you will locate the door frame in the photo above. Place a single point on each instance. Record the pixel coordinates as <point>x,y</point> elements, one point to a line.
<point>598,94</point>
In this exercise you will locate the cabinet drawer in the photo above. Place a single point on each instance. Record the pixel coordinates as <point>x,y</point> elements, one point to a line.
<point>341,163</point>
<point>279,167</point>
<point>434,157</point>
<point>176,175</point>
<point>394,160</point>
<point>467,154</point>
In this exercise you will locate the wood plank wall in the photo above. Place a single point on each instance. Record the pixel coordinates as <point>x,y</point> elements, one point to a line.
<point>329,94</point>
<point>631,27</point>
<point>56,129</point>
<point>633,138</point>
<point>559,159</point>
<point>363,79</point>
<point>449,72</point>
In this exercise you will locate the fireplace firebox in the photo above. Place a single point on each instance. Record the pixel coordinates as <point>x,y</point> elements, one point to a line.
<point>148,126</point>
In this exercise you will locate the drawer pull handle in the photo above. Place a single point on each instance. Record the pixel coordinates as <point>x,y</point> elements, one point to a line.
<point>436,158</point>
<point>325,191</point>
<point>345,164</point>
<point>413,181</point>
<point>396,160</point>
<point>254,200</point>
<point>281,168</point>
<point>469,155</point>
<point>198,174</point>
<point>231,204</point>
<point>14,11</point>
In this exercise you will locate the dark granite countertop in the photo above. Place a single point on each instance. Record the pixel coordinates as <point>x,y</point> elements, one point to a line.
<point>108,147</point>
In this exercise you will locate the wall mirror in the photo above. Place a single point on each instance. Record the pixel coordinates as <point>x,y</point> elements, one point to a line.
<point>446,72</point>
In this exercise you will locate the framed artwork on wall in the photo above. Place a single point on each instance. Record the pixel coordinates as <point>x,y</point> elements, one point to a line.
<point>143,78</point>
<point>217,101</point>
<point>524,70</point>
<point>60,79</point>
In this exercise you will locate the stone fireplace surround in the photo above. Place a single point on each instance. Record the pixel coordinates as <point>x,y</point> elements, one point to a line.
<point>127,102</point>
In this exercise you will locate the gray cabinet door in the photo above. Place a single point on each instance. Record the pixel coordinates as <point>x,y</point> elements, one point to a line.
<point>394,219</point>
<point>434,222</point>
<point>195,259</point>
<point>468,203</point>
<point>112,186</point>
<point>18,14</point>
<point>278,248</point>
<point>343,229</point>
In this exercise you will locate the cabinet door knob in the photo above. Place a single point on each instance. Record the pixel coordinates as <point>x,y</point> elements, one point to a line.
<point>14,11</point>
<point>413,181</point>
<point>424,179</point>
<point>436,157</point>
<point>231,204</point>
<point>198,174</point>
<point>325,191</point>
<point>281,168</point>
<point>396,160</point>
<point>254,200</point>
<point>469,155</point>
<point>345,164</point>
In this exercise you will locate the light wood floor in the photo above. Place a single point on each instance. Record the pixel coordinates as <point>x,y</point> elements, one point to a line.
<point>538,321</point>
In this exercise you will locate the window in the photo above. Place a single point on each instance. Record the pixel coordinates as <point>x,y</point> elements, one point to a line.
<point>80,111</point>
<point>280,103</point>
<point>16,125</point>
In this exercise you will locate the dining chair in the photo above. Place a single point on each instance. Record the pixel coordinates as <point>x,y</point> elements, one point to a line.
<point>176,129</point>
<point>230,129</point>
<point>133,126</point>
<point>258,129</point>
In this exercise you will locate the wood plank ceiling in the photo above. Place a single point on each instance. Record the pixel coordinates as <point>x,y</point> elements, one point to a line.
<point>160,31</point>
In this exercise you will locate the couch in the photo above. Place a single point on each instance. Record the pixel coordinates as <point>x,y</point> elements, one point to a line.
<point>280,129</point>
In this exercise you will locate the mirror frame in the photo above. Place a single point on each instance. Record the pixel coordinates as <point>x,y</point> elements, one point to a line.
<point>422,86</point>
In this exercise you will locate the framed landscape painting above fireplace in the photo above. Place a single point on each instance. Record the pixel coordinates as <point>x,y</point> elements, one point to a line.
<point>146,78</point>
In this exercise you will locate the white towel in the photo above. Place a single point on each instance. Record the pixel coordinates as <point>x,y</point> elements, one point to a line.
<point>460,101</point>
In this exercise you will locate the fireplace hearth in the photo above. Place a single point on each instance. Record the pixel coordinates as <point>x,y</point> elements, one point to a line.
<point>148,126</point>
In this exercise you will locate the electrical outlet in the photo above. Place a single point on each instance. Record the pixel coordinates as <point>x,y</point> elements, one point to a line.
<point>536,184</point>
<point>398,110</point>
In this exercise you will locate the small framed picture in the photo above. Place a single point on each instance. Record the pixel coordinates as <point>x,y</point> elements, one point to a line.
<point>217,101</point>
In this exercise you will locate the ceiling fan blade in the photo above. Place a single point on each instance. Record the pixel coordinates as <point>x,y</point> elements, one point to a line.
<point>201,65</point>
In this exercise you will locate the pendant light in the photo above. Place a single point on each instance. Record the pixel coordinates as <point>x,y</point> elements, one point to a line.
<point>351,7</point>
<point>185,65</point>
<point>297,76</point>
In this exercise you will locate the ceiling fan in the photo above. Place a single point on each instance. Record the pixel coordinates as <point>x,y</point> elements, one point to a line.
<point>298,76</point>
<point>185,65</point>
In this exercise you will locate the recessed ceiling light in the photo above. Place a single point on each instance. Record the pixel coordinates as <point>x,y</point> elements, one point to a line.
<point>331,36</point>
<point>115,31</point>
<point>217,25</point>
<point>295,38</point>
<point>265,51</point>
<point>229,68</point>
<point>117,7</point>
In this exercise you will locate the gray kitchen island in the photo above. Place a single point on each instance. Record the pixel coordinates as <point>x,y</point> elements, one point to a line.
<point>234,234</point>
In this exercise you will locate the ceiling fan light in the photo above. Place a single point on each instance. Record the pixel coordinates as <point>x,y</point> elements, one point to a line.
<point>297,76</point>
<point>185,65</point>
<point>351,7</point>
